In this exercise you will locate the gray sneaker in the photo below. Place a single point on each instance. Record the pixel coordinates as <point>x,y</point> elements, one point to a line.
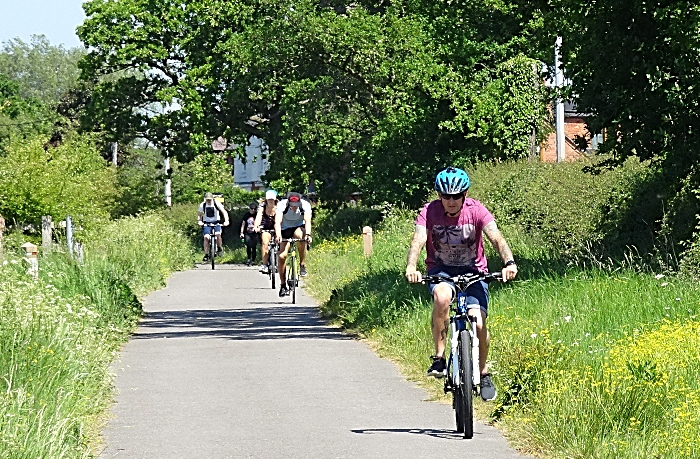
<point>283,290</point>
<point>488,390</point>
<point>302,271</point>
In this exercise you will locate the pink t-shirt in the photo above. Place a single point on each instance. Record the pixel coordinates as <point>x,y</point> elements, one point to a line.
<point>455,241</point>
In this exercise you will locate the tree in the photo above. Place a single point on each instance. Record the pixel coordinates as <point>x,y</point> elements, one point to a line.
<point>635,67</point>
<point>43,72</point>
<point>370,97</point>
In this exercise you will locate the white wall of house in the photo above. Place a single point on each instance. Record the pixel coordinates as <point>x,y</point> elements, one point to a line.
<point>247,175</point>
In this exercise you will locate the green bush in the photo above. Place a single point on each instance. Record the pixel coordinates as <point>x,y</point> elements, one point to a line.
<point>206,172</point>
<point>330,223</point>
<point>573,208</point>
<point>72,179</point>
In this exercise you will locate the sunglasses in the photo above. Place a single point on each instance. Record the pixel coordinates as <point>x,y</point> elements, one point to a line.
<point>453,197</point>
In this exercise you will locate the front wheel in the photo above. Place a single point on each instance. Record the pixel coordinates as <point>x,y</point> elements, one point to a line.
<point>212,249</point>
<point>292,279</point>
<point>272,265</point>
<point>464,403</point>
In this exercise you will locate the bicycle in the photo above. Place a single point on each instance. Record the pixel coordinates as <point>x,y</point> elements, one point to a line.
<point>292,269</point>
<point>272,249</point>
<point>212,242</point>
<point>463,372</point>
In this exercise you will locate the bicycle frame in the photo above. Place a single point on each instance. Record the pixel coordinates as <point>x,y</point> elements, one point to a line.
<point>272,250</point>
<point>213,241</point>
<point>292,273</point>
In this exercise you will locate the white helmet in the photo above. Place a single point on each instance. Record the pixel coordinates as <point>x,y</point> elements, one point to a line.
<point>271,194</point>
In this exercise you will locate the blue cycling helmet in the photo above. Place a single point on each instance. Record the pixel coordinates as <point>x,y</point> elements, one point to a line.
<point>452,181</point>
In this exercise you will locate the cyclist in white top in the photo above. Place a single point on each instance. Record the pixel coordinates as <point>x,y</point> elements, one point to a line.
<point>210,211</point>
<point>292,220</point>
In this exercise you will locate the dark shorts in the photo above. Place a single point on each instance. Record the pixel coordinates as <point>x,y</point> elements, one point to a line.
<point>208,229</point>
<point>477,293</point>
<point>289,232</point>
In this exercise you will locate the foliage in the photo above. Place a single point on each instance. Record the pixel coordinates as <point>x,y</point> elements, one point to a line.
<point>634,68</point>
<point>568,208</point>
<point>44,72</point>
<point>71,179</point>
<point>370,97</point>
<point>207,172</point>
<point>19,117</point>
<point>348,220</point>
<point>140,180</point>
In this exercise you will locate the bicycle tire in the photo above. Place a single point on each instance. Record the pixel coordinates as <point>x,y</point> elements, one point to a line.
<point>212,249</point>
<point>272,265</point>
<point>294,280</point>
<point>465,391</point>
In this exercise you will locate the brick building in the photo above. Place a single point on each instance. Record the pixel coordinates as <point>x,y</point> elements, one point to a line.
<point>574,127</point>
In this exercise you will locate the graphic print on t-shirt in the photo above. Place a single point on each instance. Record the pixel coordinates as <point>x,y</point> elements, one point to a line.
<point>454,245</point>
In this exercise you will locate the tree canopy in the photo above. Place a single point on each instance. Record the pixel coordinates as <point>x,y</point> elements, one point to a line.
<point>373,97</point>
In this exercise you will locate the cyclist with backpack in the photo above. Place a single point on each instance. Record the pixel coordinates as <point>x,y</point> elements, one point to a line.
<point>211,211</point>
<point>451,229</point>
<point>292,220</point>
<point>265,220</point>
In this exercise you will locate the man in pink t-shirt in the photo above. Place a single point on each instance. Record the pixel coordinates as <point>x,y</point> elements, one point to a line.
<point>451,230</point>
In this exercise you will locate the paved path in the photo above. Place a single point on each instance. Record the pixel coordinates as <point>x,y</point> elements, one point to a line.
<point>221,367</point>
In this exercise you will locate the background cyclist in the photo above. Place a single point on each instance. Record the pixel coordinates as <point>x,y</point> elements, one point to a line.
<point>265,220</point>
<point>292,220</point>
<point>250,237</point>
<point>211,211</point>
<point>452,227</point>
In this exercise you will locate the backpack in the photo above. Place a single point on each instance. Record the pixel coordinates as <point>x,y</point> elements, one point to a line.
<point>301,207</point>
<point>218,208</point>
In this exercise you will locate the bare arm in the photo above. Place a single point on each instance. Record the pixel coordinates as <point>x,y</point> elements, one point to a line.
<point>499,243</point>
<point>258,217</point>
<point>420,237</point>
<point>307,225</point>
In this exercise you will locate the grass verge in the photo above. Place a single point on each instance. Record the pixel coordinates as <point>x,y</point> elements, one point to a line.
<point>59,333</point>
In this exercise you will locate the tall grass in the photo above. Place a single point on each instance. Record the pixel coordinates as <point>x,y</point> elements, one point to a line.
<point>59,333</point>
<point>595,363</point>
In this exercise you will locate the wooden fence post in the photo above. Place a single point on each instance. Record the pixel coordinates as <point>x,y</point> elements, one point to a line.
<point>367,240</point>
<point>46,229</point>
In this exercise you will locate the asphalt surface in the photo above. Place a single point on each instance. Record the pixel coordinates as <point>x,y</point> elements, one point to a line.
<point>221,367</point>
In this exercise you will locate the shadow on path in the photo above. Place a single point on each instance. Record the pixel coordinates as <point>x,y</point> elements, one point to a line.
<point>437,433</point>
<point>274,322</point>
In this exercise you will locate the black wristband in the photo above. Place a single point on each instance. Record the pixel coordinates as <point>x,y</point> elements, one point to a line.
<point>509,263</point>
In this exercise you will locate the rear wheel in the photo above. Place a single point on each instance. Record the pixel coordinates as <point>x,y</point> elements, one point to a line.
<point>464,392</point>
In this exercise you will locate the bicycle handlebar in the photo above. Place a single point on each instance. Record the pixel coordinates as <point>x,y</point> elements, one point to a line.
<point>464,279</point>
<point>212,224</point>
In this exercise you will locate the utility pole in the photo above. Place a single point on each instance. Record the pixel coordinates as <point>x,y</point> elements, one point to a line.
<point>113,146</point>
<point>559,84</point>
<point>168,194</point>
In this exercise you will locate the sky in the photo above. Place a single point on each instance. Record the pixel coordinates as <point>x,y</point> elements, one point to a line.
<point>57,19</point>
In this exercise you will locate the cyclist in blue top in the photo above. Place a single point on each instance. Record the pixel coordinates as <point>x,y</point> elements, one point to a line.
<point>292,220</point>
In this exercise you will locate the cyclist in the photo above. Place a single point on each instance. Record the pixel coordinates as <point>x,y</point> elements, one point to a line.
<point>265,220</point>
<point>248,234</point>
<point>451,230</point>
<point>292,220</point>
<point>211,211</point>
